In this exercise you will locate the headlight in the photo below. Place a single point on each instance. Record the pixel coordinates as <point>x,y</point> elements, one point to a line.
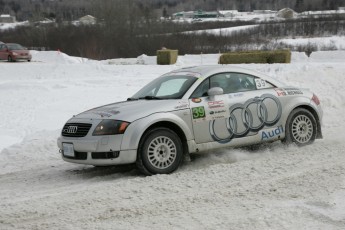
<point>15,54</point>
<point>110,127</point>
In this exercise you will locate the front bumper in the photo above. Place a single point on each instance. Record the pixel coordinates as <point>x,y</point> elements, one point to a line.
<point>96,150</point>
<point>124,157</point>
<point>24,57</point>
<point>93,152</point>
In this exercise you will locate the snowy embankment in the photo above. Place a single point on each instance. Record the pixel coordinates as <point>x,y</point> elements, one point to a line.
<point>274,187</point>
<point>321,43</point>
<point>222,31</point>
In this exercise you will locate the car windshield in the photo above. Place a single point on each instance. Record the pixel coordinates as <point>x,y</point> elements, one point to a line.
<point>15,47</point>
<point>166,87</point>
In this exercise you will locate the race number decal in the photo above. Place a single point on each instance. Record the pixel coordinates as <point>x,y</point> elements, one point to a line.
<point>198,112</point>
<point>260,84</point>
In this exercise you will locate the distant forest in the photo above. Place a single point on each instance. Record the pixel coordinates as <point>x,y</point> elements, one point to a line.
<point>129,28</point>
<point>74,9</point>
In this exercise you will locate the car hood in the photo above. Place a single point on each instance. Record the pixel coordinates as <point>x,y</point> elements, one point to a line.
<point>133,110</point>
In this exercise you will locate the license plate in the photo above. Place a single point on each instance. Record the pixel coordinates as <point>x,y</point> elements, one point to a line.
<point>68,150</point>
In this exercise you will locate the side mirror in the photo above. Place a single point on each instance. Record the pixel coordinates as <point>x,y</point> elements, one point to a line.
<point>215,91</point>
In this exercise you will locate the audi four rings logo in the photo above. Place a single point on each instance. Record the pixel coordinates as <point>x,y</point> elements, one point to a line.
<point>247,117</point>
<point>72,129</point>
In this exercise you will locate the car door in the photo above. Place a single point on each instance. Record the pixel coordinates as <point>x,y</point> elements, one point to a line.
<point>245,108</point>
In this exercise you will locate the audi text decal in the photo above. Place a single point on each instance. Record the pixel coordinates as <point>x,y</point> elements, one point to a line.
<point>247,117</point>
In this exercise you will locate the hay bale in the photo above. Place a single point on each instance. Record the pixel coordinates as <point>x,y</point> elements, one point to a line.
<point>246,57</point>
<point>167,57</point>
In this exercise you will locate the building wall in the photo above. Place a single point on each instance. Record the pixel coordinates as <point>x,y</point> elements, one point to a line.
<point>7,19</point>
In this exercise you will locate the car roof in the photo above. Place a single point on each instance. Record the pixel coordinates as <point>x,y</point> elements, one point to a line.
<point>208,70</point>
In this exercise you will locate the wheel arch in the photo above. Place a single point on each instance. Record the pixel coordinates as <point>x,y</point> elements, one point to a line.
<point>316,116</point>
<point>137,130</point>
<point>172,126</point>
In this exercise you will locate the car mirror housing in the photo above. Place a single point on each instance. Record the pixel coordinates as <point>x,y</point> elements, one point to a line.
<point>215,91</point>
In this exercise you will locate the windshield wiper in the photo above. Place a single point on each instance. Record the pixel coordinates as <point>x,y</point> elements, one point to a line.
<point>132,99</point>
<point>150,98</point>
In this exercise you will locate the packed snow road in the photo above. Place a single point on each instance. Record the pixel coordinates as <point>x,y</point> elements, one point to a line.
<point>272,187</point>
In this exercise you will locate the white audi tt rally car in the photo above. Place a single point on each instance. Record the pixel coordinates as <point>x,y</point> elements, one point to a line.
<point>191,110</point>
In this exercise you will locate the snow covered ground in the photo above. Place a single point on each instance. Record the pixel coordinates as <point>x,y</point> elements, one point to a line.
<point>321,43</point>
<point>6,26</point>
<point>274,187</point>
<point>222,31</point>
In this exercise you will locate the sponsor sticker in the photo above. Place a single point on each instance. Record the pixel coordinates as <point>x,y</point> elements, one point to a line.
<point>217,114</point>
<point>196,100</point>
<point>288,91</point>
<point>114,112</point>
<point>103,114</point>
<point>215,104</point>
<point>272,133</point>
<point>235,95</point>
<point>182,105</point>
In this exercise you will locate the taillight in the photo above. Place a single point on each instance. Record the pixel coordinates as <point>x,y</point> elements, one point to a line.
<point>315,99</point>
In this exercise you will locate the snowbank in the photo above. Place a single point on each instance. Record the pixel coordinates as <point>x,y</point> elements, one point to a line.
<point>321,43</point>
<point>55,57</point>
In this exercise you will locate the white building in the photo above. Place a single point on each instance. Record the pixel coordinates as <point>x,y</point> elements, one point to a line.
<point>6,18</point>
<point>228,13</point>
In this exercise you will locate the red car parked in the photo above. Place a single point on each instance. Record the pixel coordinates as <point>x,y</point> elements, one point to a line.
<point>13,52</point>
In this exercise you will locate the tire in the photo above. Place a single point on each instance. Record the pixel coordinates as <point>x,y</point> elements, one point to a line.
<point>160,152</point>
<point>9,58</point>
<point>300,127</point>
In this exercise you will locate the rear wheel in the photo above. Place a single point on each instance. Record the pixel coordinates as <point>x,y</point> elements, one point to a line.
<point>301,127</point>
<point>160,152</point>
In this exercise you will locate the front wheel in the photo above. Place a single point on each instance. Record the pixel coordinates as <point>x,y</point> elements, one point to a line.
<point>301,127</point>
<point>160,152</point>
<point>9,58</point>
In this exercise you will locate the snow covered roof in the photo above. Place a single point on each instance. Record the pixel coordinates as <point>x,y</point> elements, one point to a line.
<point>286,13</point>
<point>87,17</point>
<point>228,11</point>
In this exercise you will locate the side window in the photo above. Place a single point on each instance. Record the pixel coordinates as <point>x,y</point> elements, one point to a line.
<point>231,83</point>
<point>242,82</point>
<point>201,91</point>
<point>220,80</point>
